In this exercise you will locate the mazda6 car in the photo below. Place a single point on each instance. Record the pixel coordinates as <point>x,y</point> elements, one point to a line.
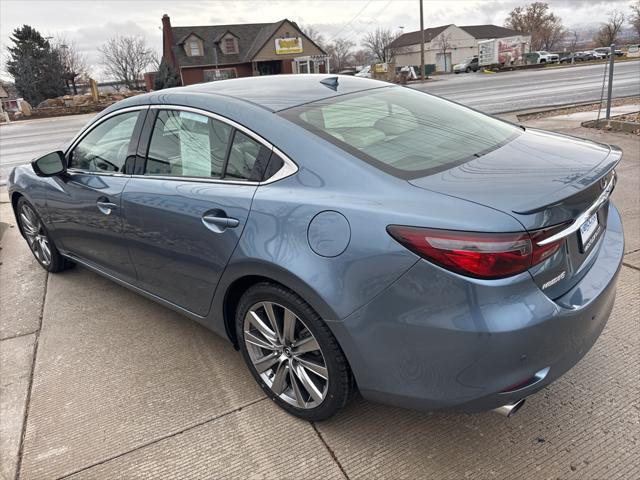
<point>344,234</point>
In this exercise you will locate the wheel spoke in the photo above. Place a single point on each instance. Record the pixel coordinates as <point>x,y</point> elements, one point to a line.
<point>279,380</point>
<point>296,388</point>
<point>46,252</point>
<point>308,384</point>
<point>289,326</point>
<point>268,308</point>
<point>266,362</point>
<point>28,227</point>
<point>262,327</point>
<point>308,344</point>
<point>316,368</point>
<point>255,340</point>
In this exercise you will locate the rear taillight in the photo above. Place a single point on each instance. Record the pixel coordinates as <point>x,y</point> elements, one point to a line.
<point>480,255</point>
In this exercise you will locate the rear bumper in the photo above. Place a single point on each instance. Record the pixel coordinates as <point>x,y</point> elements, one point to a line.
<point>435,339</point>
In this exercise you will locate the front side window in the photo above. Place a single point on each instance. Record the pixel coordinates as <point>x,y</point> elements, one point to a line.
<point>403,132</point>
<point>104,149</point>
<point>187,144</point>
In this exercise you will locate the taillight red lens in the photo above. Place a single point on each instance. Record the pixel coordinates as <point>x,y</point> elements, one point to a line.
<point>480,255</point>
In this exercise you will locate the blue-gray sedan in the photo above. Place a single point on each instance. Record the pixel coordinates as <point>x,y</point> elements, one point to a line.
<point>345,234</point>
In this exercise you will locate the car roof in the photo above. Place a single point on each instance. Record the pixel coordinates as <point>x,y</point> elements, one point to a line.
<point>280,92</point>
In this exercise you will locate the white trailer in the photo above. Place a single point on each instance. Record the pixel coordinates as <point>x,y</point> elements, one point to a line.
<point>502,52</point>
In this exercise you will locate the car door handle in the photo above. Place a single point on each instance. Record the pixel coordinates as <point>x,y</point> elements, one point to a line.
<point>106,207</point>
<point>219,223</point>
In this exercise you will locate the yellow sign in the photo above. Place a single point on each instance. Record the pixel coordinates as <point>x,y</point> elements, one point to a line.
<point>288,45</point>
<point>381,68</point>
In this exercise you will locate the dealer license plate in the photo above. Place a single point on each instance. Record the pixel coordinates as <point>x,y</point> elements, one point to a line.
<point>588,228</point>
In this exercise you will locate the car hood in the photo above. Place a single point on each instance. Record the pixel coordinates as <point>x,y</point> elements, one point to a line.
<point>533,173</point>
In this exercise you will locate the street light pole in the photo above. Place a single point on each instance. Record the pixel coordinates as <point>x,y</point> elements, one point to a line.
<point>421,43</point>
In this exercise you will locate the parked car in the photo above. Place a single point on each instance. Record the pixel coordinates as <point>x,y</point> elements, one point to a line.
<point>343,233</point>
<point>468,65</point>
<point>546,57</point>
<point>575,57</point>
<point>606,51</point>
<point>596,55</point>
<point>365,72</point>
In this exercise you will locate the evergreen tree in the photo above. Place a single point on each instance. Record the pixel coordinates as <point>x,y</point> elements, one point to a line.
<point>166,77</point>
<point>36,68</point>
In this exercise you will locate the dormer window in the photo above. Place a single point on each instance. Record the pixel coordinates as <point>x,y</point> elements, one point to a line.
<point>230,45</point>
<point>193,46</point>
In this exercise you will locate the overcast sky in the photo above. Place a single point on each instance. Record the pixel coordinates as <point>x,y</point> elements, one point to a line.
<point>89,23</point>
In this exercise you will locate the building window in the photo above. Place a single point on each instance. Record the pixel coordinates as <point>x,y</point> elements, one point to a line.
<point>194,48</point>
<point>230,46</point>
<point>219,74</point>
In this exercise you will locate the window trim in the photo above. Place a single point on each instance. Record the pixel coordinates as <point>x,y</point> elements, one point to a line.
<point>83,133</point>
<point>289,167</point>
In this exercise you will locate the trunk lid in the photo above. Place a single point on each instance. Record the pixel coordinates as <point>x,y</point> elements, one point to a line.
<point>542,179</point>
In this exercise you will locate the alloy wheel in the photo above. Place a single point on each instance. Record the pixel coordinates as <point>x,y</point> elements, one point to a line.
<point>36,235</point>
<point>286,355</point>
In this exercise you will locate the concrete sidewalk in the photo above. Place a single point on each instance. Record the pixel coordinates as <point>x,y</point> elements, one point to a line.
<point>100,383</point>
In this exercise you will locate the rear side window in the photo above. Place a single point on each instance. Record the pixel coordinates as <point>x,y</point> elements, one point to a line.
<point>403,132</point>
<point>104,149</point>
<point>247,158</point>
<point>188,145</point>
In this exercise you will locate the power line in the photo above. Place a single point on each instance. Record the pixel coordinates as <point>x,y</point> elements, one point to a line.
<point>367,24</point>
<point>350,21</point>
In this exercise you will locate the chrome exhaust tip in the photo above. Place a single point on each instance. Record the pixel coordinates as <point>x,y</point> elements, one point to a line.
<point>510,408</point>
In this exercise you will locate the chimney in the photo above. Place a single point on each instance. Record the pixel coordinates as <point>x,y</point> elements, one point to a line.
<point>167,42</point>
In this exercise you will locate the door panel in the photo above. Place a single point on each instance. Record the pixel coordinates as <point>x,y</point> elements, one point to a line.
<point>85,207</point>
<point>85,230</point>
<point>181,235</point>
<point>182,222</point>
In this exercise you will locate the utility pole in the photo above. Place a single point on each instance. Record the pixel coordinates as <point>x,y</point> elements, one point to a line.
<point>612,56</point>
<point>421,43</point>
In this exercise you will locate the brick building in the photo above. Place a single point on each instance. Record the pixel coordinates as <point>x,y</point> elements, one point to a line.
<point>216,52</point>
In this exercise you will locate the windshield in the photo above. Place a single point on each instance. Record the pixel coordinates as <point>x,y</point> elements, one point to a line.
<point>402,131</point>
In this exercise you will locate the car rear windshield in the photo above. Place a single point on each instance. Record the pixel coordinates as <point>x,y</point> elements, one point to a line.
<point>402,131</point>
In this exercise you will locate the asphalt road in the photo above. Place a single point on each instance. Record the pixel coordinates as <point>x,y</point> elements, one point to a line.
<point>509,91</point>
<point>22,141</point>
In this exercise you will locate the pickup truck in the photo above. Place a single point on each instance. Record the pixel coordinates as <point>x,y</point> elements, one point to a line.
<point>546,57</point>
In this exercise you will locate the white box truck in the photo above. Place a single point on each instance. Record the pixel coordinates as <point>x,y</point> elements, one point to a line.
<point>502,52</point>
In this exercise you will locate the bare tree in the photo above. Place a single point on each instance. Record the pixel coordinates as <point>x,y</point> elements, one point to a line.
<point>380,44</point>
<point>125,58</point>
<point>340,53</point>
<point>634,18</point>
<point>609,31</point>
<point>573,41</point>
<point>443,45</point>
<point>361,57</point>
<point>537,20</point>
<point>315,36</point>
<point>74,62</point>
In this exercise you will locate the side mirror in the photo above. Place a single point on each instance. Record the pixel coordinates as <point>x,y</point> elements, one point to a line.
<point>50,165</point>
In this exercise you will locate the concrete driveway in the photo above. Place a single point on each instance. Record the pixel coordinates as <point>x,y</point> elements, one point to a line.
<point>100,383</point>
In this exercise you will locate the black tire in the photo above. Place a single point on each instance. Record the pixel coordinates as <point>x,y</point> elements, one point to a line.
<point>57,262</point>
<point>468,70</point>
<point>340,384</point>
